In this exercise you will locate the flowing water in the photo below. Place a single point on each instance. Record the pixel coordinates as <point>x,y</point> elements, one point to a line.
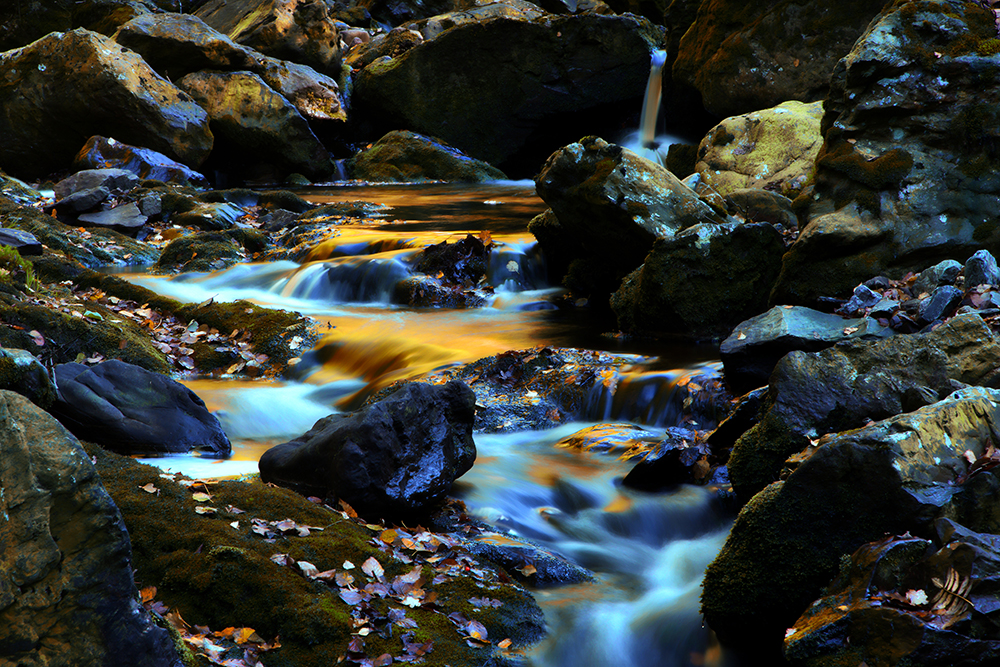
<point>648,551</point>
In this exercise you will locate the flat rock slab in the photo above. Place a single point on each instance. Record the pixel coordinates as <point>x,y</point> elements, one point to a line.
<point>130,410</point>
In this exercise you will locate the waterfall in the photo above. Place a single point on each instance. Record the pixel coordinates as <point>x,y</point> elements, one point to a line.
<point>651,103</point>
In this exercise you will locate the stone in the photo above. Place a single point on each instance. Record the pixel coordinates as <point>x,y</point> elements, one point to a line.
<point>908,174</point>
<point>560,78</point>
<point>981,269</point>
<point>942,273</point>
<point>772,149</point>
<point>755,205</point>
<point>22,372</point>
<point>125,218</point>
<point>67,596</point>
<point>130,410</point>
<point>611,204</point>
<point>22,23</point>
<point>77,84</point>
<point>298,30</point>
<point>179,44</point>
<point>702,282</point>
<point>750,353</point>
<point>110,178</point>
<point>81,201</point>
<point>25,243</point>
<point>815,393</point>
<point>105,152</point>
<point>255,124</point>
<point>940,304</point>
<point>677,459</point>
<point>892,476</point>
<point>200,252</point>
<point>742,57</point>
<point>397,457</point>
<point>210,216</point>
<point>407,157</point>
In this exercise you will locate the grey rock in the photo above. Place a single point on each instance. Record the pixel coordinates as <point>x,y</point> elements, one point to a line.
<point>126,217</point>
<point>112,179</point>
<point>940,304</point>
<point>210,216</point>
<point>82,200</point>
<point>24,242</point>
<point>25,374</point>
<point>981,269</point>
<point>942,273</point>
<point>100,152</point>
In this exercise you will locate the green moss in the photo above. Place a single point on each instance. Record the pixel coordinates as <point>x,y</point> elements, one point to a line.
<point>866,176</point>
<point>988,47</point>
<point>222,576</point>
<point>760,453</point>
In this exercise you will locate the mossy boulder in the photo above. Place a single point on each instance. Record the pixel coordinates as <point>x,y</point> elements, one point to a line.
<point>815,393</point>
<point>407,157</point>
<point>217,571</point>
<point>890,477</point>
<point>560,78</point>
<point>66,87</point>
<point>22,372</point>
<point>747,56</point>
<point>773,149</point>
<point>908,174</point>
<point>702,282</point>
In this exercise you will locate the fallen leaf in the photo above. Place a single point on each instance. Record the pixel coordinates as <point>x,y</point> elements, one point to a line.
<point>308,569</point>
<point>202,509</point>
<point>476,630</point>
<point>201,497</point>
<point>505,644</point>
<point>372,568</point>
<point>150,488</point>
<point>147,594</point>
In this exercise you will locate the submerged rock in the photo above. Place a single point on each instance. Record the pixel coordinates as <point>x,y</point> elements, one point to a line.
<point>908,173</point>
<point>67,86</point>
<point>67,596</point>
<point>131,410</point>
<point>408,157</point>
<point>397,457</point>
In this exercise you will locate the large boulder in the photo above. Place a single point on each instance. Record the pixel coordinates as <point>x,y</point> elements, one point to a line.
<point>63,89</point>
<point>408,157</point>
<point>815,393</point>
<point>397,457</point>
<point>23,22</point>
<point>892,476</point>
<point>610,205</point>
<point>298,30</point>
<point>702,282</point>
<point>773,149</point>
<point>255,125</point>
<point>130,410</point>
<point>66,591</point>
<point>106,152</point>
<point>179,44</point>
<point>746,56</point>
<point>559,78</point>
<point>908,174</point>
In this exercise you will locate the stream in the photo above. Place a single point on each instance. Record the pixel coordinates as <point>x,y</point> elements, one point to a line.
<point>648,551</point>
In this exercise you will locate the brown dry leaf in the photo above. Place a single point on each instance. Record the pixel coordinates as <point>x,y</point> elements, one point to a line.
<point>203,509</point>
<point>373,568</point>
<point>388,536</point>
<point>150,488</point>
<point>147,594</point>
<point>476,630</point>
<point>382,661</point>
<point>505,644</point>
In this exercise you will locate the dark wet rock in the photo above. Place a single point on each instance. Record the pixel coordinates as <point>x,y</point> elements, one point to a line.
<point>746,57</point>
<point>126,218</point>
<point>67,596</point>
<point>266,199</point>
<point>876,601</point>
<point>754,347</point>
<point>278,219</point>
<point>745,413</point>
<point>463,262</point>
<point>105,152</point>
<point>130,410</point>
<point>407,157</point>
<point>608,207</point>
<point>942,273</point>
<point>210,216</point>
<point>22,23</point>
<point>619,439</point>
<point>431,292</point>
<point>891,476</point>
<point>81,201</point>
<point>200,252</point>
<point>112,179</point>
<point>702,281</point>
<point>100,89</point>
<point>255,124</point>
<point>527,562</point>
<point>771,149</point>
<point>26,244</point>
<point>981,269</point>
<point>390,44</point>
<point>862,298</point>
<point>431,28</point>
<point>17,190</point>
<point>839,388</point>
<point>396,457</point>
<point>179,44</point>
<point>22,372</point>
<point>679,458</point>
<point>561,78</point>
<point>298,30</point>
<point>940,304</point>
<point>908,173</point>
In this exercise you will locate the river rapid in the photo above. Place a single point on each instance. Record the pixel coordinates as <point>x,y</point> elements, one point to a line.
<point>648,551</point>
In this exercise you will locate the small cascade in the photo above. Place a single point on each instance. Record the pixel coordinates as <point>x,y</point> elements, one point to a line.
<point>642,396</point>
<point>355,279</point>
<point>651,103</point>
